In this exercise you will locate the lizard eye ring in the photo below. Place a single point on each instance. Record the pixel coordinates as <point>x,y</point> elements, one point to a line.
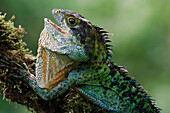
<point>72,21</point>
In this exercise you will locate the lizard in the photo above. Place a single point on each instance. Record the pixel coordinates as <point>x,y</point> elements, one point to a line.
<point>76,55</point>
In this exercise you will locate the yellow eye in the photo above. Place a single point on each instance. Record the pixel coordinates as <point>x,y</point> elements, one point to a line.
<point>72,21</point>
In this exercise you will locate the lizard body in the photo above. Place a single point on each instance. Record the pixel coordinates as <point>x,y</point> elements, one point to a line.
<point>76,55</point>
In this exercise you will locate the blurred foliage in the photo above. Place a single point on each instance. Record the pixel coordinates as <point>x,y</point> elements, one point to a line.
<point>141,31</point>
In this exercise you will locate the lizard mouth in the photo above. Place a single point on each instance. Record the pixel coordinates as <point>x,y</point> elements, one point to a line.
<point>55,26</point>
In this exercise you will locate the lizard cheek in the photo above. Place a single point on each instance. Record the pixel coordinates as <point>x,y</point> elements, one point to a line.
<point>78,54</point>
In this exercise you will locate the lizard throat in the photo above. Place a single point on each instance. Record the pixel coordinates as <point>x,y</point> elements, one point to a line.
<point>51,67</point>
<point>54,68</point>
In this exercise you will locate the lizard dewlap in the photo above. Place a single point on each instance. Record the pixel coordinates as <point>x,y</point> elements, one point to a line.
<point>51,67</point>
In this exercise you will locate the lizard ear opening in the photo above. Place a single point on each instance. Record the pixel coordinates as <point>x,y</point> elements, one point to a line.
<point>82,41</point>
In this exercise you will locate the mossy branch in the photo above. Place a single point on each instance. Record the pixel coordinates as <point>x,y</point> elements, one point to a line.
<point>13,53</point>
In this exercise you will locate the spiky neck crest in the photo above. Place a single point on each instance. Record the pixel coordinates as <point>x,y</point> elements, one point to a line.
<point>102,52</point>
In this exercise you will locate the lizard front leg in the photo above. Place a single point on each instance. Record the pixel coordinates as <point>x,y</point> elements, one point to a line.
<point>75,77</point>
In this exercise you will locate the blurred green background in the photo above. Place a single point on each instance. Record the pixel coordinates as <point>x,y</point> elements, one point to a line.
<point>141,31</point>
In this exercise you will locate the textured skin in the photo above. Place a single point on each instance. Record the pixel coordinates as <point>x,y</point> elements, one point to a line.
<point>77,56</point>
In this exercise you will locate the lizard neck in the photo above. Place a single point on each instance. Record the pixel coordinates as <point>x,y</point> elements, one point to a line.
<point>100,56</point>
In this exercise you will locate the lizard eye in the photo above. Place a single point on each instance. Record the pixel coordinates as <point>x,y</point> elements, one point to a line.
<point>72,21</point>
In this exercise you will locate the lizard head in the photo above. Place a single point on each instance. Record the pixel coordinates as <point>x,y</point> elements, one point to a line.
<point>75,36</point>
<point>63,47</point>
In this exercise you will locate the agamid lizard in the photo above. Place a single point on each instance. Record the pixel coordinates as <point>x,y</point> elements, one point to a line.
<point>77,55</point>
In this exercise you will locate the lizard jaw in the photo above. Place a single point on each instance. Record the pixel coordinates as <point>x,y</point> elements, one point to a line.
<point>55,26</point>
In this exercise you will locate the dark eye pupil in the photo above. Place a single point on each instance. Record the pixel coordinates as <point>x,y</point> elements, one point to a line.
<point>72,21</point>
